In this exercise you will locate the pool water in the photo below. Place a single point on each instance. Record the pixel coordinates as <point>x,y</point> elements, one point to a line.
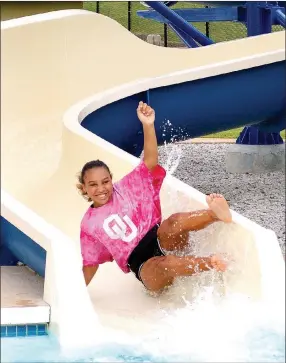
<point>263,346</point>
<point>46,349</point>
<point>234,330</point>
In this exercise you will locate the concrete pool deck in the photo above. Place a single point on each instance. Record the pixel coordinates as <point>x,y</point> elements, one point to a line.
<point>22,297</point>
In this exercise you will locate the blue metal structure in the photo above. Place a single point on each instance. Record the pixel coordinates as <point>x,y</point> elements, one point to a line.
<point>280,17</point>
<point>258,16</point>
<point>254,14</point>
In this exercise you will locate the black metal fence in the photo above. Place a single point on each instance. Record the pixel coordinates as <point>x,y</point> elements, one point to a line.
<point>124,12</point>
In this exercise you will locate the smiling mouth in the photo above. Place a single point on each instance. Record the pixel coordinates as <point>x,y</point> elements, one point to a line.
<point>102,196</point>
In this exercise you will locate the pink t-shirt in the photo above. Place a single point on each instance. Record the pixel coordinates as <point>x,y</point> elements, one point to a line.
<point>112,231</point>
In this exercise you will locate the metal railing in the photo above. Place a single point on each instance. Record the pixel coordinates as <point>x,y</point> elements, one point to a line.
<point>125,13</point>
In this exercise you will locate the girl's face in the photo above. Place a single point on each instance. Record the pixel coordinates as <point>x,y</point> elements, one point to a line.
<point>98,185</point>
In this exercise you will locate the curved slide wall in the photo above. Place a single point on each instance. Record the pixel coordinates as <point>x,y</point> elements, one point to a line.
<point>197,107</point>
<point>59,68</point>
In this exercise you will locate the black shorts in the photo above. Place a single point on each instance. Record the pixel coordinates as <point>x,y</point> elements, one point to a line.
<point>147,248</point>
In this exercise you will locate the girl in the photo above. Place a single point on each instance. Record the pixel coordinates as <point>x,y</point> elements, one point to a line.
<point>124,221</point>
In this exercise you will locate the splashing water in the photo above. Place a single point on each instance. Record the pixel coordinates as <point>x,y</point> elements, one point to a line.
<point>229,330</point>
<point>173,158</point>
<point>173,153</point>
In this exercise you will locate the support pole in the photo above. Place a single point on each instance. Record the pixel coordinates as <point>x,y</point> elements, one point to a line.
<point>188,41</point>
<point>281,18</point>
<point>179,22</point>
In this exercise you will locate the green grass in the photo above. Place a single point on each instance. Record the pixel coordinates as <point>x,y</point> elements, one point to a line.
<point>118,11</point>
<point>219,31</point>
<point>233,134</point>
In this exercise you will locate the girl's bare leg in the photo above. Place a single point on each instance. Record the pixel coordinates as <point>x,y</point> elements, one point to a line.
<point>174,232</point>
<point>160,272</point>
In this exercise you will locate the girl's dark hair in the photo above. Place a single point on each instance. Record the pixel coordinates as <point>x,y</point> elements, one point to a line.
<point>89,165</point>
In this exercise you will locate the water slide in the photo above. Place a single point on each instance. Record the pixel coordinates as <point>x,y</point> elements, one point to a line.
<point>70,83</point>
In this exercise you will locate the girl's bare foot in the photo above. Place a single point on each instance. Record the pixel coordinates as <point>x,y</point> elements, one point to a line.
<point>219,263</point>
<point>219,206</point>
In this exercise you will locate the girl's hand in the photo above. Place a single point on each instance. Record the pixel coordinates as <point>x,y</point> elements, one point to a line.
<point>146,114</point>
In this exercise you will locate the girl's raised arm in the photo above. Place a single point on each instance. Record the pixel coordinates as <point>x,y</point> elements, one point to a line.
<point>147,117</point>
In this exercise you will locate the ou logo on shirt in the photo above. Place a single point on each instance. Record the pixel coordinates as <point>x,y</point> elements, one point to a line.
<point>116,227</point>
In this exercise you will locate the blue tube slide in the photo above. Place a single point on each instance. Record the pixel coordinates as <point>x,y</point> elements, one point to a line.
<point>252,96</point>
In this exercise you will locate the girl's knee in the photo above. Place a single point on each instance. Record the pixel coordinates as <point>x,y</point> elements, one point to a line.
<point>155,273</point>
<point>172,226</point>
<point>177,221</point>
<point>170,265</point>
<point>163,265</point>
<point>159,263</point>
<point>167,263</point>
<point>174,218</point>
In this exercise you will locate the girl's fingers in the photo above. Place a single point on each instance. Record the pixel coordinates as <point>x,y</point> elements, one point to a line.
<point>145,109</point>
<point>139,108</point>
